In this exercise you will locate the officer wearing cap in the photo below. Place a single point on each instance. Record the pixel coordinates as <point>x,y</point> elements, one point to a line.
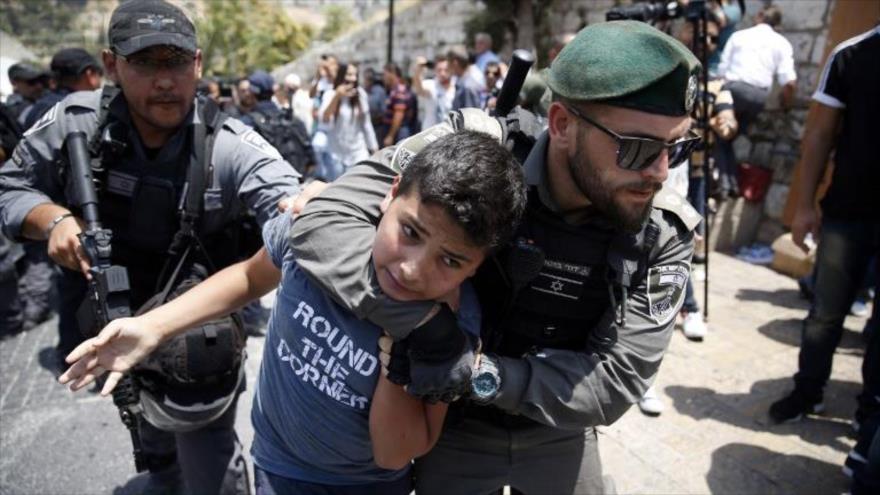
<point>260,84</point>
<point>28,84</point>
<point>151,129</point>
<point>73,69</point>
<point>579,309</point>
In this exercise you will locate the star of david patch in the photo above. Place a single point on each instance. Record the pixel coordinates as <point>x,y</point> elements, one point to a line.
<point>666,284</point>
<point>557,285</point>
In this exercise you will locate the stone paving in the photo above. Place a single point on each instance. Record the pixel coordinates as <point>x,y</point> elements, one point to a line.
<point>713,437</point>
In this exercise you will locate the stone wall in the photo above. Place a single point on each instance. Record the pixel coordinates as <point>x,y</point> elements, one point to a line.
<point>420,28</point>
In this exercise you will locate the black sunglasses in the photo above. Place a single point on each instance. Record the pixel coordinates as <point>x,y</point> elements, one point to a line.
<point>638,153</point>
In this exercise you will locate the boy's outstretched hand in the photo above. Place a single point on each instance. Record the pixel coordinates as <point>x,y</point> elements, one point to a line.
<point>117,348</point>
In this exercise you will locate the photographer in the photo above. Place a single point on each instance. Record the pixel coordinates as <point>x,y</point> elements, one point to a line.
<point>435,94</point>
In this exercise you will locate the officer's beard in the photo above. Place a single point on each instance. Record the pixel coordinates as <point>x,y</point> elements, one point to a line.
<point>629,217</point>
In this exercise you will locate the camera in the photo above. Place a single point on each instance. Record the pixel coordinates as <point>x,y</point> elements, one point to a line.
<point>657,11</point>
<point>429,65</point>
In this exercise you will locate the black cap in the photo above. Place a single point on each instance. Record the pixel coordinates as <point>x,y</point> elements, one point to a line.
<point>24,71</point>
<point>72,62</point>
<point>139,24</point>
<point>261,82</point>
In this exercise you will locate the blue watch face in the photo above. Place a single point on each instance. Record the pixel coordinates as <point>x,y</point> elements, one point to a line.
<point>485,385</point>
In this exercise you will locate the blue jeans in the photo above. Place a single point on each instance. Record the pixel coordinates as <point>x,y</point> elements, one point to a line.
<point>845,249</point>
<point>267,483</point>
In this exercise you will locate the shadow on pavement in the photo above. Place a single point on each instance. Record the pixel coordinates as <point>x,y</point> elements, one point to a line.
<point>134,486</point>
<point>788,331</point>
<point>742,468</point>
<point>749,410</point>
<point>49,360</point>
<point>787,298</point>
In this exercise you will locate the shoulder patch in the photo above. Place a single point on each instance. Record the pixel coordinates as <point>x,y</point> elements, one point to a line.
<point>408,148</point>
<point>44,121</point>
<point>666,289</point>
<point>253,139</point>
<point>668,200</point>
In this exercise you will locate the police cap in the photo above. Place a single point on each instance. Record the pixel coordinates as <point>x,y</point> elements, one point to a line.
<point>139,24</point>
<point>627,64</point>
<point>261,83</point>
<point>72,62</point>
<point>24,71</point>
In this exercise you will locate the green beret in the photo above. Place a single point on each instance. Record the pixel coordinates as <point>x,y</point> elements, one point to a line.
<point>627,64</point>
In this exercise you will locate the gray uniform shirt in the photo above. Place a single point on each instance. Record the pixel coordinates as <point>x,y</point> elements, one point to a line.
<point>560,388</point>
<point>248,172</point>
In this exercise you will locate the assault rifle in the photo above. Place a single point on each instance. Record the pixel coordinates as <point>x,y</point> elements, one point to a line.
<point>107,297</point>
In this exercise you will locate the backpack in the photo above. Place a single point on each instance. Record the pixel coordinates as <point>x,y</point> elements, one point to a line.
<point>288,135</point>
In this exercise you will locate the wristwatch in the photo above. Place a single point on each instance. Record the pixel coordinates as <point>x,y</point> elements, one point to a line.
<point>486,380</point>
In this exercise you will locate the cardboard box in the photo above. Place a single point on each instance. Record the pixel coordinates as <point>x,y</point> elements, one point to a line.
<point>790,259</point>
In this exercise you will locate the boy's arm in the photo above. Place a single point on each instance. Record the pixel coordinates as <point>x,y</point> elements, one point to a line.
<point>402,427</point>
<point>126,341</point>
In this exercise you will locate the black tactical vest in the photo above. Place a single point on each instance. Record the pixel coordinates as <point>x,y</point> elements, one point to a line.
<point>140,200</point>
<point>575,285</point>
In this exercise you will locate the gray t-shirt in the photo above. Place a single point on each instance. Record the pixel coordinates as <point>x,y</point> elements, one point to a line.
<point>319,370</point>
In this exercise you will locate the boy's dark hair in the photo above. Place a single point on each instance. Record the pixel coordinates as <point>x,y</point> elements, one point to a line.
<point>475,180</point>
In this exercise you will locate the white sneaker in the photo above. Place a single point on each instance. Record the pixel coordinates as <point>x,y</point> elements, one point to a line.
<point>694,327</point>
<point>650,403</point>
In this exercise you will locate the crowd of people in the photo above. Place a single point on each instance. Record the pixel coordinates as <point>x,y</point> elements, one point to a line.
<point>395,358</point>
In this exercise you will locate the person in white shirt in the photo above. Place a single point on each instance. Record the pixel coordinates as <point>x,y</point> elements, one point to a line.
<point>435,95</point>
<point>299,102</point>
<point>345,113</point>
<point>483,54</point>
<point>751,60</point>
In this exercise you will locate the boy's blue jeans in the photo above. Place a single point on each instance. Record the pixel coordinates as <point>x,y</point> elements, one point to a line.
<point>845,249</point>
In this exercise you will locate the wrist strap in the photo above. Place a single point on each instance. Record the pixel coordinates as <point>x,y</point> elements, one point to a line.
<point>55,221</point>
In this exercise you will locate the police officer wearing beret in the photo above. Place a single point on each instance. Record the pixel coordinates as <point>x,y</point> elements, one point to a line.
<point>151,126</point>
<point>579,310</point>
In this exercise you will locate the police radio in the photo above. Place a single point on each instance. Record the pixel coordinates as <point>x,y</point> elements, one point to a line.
<point>107,297</point>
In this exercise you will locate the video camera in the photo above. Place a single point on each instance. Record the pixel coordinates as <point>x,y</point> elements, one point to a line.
<point>657,11</point>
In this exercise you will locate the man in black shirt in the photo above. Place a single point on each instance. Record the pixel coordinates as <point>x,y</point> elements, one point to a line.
<point>846,122</point>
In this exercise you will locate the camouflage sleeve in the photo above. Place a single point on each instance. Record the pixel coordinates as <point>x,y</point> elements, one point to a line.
<point>332,241</point>
<point>573,390</point>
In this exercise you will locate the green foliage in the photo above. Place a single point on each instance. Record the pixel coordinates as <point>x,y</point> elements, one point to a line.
<point>338,20</point>
<point>238,36</point>
<point>45,26</point>
<point>498,19</point>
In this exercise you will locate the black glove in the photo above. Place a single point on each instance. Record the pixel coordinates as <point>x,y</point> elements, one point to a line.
<point>398,363</point>
<point>441,358</point>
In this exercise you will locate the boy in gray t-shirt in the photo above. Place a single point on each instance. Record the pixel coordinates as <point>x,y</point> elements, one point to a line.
<point>325,419</point>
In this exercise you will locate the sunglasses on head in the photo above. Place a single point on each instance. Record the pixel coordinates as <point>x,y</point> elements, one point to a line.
<point>638,153</point>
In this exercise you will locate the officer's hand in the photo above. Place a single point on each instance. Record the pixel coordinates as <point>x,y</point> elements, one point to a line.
<point>394,359</point>
<point>65,247</point>
<point>441,358</point>
<point>806,220</point>
<point>296,204</point>
<point>123,343</point>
